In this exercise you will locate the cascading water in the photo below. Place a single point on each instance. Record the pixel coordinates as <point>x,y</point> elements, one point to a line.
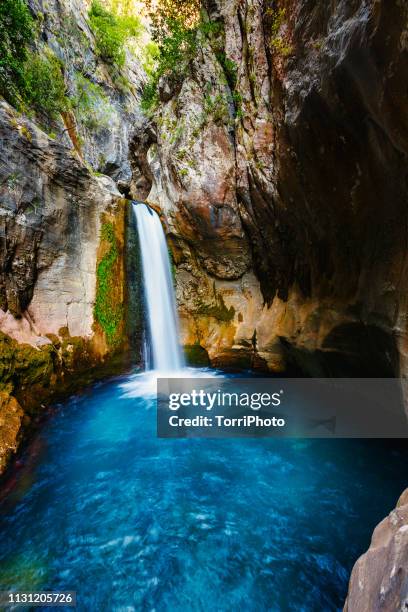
<point>158,290</point>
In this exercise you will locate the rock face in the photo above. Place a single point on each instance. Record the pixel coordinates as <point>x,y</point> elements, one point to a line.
<point>282,175</point>
<point>105,99</point>
<point>379,581</point>
<point>62,318</point>
<point>50,224</point>
<point>11,416</point>
<point>63,299</point>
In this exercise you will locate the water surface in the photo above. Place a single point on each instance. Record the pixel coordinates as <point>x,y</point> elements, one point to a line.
<point>132,522</point>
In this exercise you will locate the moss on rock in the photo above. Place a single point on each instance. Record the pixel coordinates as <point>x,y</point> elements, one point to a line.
<point>196,355</point>
<point>218,310</point>
<point>108,312</point>
<point>22,364</point>
<point>11,416</point>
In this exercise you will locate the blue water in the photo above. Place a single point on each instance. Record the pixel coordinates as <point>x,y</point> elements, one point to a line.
<point>132,522</point>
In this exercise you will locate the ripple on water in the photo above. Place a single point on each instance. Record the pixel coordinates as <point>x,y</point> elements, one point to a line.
<point>136,523</point>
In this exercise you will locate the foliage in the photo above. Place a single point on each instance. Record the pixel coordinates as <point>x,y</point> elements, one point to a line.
<point>174,28</point>
<point>16,30</point>
<point>90,104</point>
<point>217,107</point>
<point>150,57</point>
<point>112,31</point>
<point>229,67</point>
<point>44,85</point>
<point>166,15</point>
<point>278,42</point>
<point>179,30</point>
<point>107,312</point>
<point>27,79</point>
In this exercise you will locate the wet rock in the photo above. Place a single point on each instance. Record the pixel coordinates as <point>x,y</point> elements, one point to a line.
<point>11,416</point>
<point>379,580</point>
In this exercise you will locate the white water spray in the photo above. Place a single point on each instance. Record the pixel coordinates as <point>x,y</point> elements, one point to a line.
<point>159,292</point>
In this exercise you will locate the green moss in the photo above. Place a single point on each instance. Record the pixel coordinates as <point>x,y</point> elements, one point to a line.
<point>278,42</point>
<point>196,355</point>
<point>107,312</point>
<point>23,365</point>
<point>218,310</point>
<point>44,85</point>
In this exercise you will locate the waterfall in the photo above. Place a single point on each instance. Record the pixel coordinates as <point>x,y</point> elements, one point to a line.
<point>158,291</point>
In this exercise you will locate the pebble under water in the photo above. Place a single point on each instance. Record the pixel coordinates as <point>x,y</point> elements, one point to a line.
<point>132,522</point>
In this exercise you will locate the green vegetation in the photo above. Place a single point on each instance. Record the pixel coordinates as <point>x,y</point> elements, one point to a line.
<point>91,106</point>
<point>278,41</point>
<point>217,107</point>
<point>150,57</point>
<point>107,311</point>
<point>168,15</point>
<point>28,80</point>
<point>229,67</point>
<point>112,32</point>
<point>175,25</point>
<point>44,86</point>
<point>173,54</point>
<point>16,30</point>
<point>179,29</point>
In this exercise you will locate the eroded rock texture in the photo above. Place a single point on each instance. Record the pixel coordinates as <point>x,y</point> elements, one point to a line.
<point>379,581</point>
<point>63,300</point>
<point>286,200</point>
<point>50,219</point>
<point>62,317</point>
<point>104,98</point>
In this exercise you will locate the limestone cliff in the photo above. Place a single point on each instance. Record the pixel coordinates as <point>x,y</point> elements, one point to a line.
<point>379,579</point>
<point>63,297</point>
<point>104,97</point>
<point>280,164</point>
<point>57,224</point>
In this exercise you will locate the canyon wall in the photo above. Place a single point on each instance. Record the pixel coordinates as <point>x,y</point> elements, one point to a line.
<point>64,301</point>
<point>62,319</point>
<point>379,580</point>
<point>279,161</point>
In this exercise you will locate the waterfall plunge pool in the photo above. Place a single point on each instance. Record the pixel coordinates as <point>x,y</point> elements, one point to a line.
<point>132,522</point>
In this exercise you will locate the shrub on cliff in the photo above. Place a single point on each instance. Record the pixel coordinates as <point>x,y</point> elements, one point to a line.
<point>28,80</point>
<point>112,32</point>
<point>44,86</point>
<point>16,30</point>
<point>174,28</point>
